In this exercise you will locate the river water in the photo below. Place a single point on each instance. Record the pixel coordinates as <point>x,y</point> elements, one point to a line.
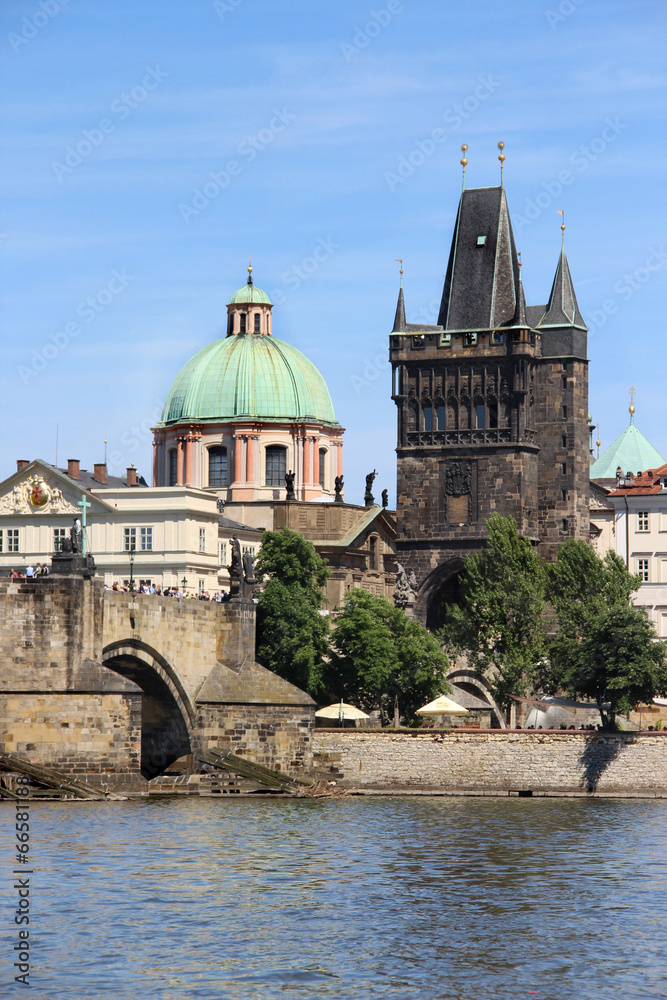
<point>251,899</point>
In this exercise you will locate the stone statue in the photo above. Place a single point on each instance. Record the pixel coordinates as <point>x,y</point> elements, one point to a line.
<point>289,486</point>
<point>385,498</point>
<point>249,568</point>
<point>76,535</point>
<point>369,499</point>
<point>236,566</point>
<point>406,587</point>
<point>338,486</point>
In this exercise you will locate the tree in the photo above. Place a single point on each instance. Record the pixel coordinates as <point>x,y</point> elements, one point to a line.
<point>292,636</point>
<point>498,623</point>
<point>379,654</point>
<point>605,647</point>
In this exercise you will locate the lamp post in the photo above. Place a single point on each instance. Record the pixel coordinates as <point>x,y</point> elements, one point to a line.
<point>184,583</point>
<point>131,555</point>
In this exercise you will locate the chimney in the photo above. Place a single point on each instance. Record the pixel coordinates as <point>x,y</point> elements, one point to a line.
<point>100,472</point>
<point>21,464</point>
<point>131,476</point>
<point>73,467</point>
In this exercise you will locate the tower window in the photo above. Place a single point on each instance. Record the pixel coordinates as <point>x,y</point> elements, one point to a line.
<point>470,339</point>
<point>173,466</point>
<point>564,524</point>
<point>563,495</point>
<point>257,321</point>
<point>498,338</point>
<point>564,412</point>
<point>441,418</point>
<point>323,465</point>
<point>428,418</point>
<point>493,415</point>
<point>481,241</point>
<point>217,466</point>
<point>276,465</point>
<point>479,412</point>
<point>564,468</point>
<point>374,553</point>
<point>564,440</point>
<point>243,323</point>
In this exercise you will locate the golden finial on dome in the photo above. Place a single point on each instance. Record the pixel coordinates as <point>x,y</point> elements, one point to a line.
<point>631,408</point>
<point>464,163</point>
<point>250,269</point>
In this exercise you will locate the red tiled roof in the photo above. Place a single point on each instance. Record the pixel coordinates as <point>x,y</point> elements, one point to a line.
<point>645,484</point>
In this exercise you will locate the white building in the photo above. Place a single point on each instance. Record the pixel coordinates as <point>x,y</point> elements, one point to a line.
<point>162,535</point>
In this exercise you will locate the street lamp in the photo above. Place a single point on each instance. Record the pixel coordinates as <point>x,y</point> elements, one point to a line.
<point>184,583</point>
<point>131,555</point>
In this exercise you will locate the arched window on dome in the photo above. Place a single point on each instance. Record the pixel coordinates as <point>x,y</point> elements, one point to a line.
<point>323,468</point>
<point>242,318</point>
<point>217,466</point>
<point>173,466</point>
<point>276,465</point>
<point>257,322</point>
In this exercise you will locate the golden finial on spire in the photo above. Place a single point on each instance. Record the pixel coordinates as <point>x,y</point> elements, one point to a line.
<point>399,261</point>
<point>250,269</point>
<point>501,146</point>
<point>464,163</point>
<point>631,408</point>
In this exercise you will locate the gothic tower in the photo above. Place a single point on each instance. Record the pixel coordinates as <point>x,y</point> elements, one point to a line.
<point>492,408</point>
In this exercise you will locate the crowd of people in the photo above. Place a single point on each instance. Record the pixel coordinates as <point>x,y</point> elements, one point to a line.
<point>41,569</point>
<point>155,590</point>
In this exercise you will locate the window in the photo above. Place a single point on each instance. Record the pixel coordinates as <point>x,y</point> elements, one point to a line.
<point>323,466</point>
<point>470,339</point>
<point>493,414</point>
<point>479,412</point>
<point>223,553</point>
<point>276,465</point>
<point>642,570</point>
<point>564,468</point>
<point>374,553</point>
<point>563,494</point>
<point>58,536</point>
<point>564,524</point>
<point>202,539</point>
<point>12,539</point>
<point>428,418</point>
<point>173,466</point>
<point>217,466</point>
<point>248,548</point>
<point>243,323</point>
<point>441,418</point>
<point>498,338</point>
<point>257,321</point>
<point>200,586</point>
<point>642,520</point>
<point>138,539</point>
<point>564,412</point>
<point>564,440</point>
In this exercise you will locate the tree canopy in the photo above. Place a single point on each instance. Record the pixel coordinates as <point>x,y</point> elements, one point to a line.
<point>498,623</point>
<point>604,647</point>
<point>378,654</point>
<point>292,636</point>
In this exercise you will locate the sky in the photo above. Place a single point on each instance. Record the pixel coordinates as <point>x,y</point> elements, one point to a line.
<point>149,148</point>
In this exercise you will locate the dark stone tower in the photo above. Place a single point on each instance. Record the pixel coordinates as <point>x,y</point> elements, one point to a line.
<point>492,408</point>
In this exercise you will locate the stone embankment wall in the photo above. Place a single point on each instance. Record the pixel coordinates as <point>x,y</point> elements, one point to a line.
<point>493,761</point>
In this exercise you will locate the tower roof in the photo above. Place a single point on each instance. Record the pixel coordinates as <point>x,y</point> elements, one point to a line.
<point>631,451</point>
<point>562,309</point>
<point>482,280</point>
<point>399,318</point>
<point>250,293</point>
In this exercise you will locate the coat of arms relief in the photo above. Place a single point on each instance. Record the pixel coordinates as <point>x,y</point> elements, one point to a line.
<point>36,494</point>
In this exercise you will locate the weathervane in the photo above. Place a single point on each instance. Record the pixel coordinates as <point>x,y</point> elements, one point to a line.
<point>399,261</point>
<point>562,225</point>
<point>464,164</point>
<point>501,146</point>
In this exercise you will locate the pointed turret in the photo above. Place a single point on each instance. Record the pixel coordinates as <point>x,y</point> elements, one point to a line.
<point>399,318</point>
<point>482,277</point>
<point>562,309</point>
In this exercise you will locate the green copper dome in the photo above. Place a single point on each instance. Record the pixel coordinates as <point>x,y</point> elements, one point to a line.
<point>250,293</point>
<point>631,451</point>
<point>248,375</point>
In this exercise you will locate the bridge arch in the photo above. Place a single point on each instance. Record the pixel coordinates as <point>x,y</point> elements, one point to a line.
<point>439,589</point>
<point>168,715</point>
<point>469,681</point>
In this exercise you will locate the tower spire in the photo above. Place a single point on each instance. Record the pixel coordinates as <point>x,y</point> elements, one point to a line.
<point>562,308</point>
<point>399,318</point>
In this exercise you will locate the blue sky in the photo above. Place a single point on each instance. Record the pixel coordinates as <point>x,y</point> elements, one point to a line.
<point>292,119</point>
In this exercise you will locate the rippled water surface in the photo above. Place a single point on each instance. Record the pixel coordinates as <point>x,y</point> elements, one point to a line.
<point>351,898</point>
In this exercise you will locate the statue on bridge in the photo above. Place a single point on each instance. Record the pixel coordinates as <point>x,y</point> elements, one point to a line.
<point>289,486</point>
<point>76,536</point>
<point>241,573</point>
<point>369,499</point>
<point>406,589</point>
<point>338,486</point>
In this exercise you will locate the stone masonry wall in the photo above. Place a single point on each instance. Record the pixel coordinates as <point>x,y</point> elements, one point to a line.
<point>493,761</point>
<point>277,736</point>
<point>77,733</point>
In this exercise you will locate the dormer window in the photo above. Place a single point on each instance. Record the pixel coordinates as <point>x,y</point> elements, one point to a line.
<point>481,241</point>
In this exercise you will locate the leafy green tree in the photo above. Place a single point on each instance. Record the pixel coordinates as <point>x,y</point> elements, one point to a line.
<point>498,623</point>
<point>292,636</point>
<point>379,654</point>
<point>604,647</point>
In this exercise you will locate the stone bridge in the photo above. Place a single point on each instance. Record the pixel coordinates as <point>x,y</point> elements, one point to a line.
<point>97,681</point>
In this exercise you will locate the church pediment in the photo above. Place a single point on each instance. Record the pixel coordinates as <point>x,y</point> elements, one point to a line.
<point>42,489</point>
